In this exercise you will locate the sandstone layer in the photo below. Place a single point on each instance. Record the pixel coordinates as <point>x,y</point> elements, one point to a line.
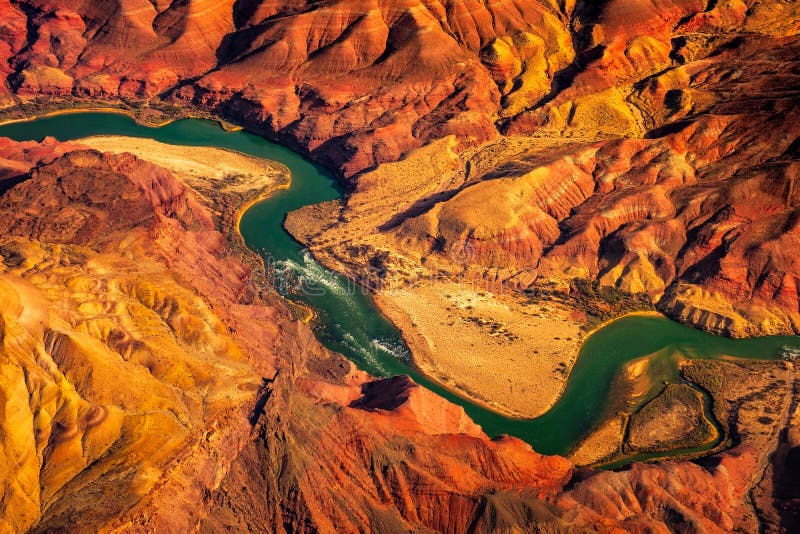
<point>523,144</point>
<point>649,146</point>
<point>150,382</point>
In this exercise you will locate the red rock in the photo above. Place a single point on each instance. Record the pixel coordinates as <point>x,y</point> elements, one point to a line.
<point>676,178</point>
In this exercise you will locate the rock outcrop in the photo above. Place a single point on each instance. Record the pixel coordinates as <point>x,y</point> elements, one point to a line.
<point>699,213</point>
<point>642,107</point>
<point>148,383</point>
<point>116,359</point>
<point>355,83</point>
<point>151,383</point>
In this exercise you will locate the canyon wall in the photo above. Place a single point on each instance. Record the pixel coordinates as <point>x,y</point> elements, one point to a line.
<point>651,147</point>
<point>648,146</point>
<point>149,384</point>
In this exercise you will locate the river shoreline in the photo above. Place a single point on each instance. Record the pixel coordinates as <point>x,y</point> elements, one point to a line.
<point>132,113</point>
<point>488,349</point>
<point>258,223</point>
<point>415,340</point>
<point>411,337</point>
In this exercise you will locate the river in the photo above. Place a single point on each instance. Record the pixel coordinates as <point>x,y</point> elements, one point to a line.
<point>349,322</point>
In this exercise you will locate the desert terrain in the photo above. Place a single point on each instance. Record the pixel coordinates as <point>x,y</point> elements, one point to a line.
<point>591,158</point>
<point>202,167</point>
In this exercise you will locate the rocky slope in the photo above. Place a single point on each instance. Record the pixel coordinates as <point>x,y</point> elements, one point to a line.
<point>696,210</point>
<point>116,359</point>
<point>620,141</point>
<point>151,383</point>
<point>647,145</point>
<point>136,350</point>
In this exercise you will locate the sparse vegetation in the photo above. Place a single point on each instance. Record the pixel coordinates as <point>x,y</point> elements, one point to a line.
<point>599,303</point>
<point>494,328</point>
<point>673,420</point>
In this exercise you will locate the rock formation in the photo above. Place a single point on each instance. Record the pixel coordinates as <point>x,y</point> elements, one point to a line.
<point>661,120</point>
<point>148,383</point>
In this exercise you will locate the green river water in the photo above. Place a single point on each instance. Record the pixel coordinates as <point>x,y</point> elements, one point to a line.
<point>350,323</point>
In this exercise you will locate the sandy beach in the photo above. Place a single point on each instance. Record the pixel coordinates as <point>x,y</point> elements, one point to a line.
<point>511,357</point>
<point>231,171</point>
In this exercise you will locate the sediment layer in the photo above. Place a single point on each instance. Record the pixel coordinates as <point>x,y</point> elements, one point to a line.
<point>649,147</point>
<point>253,424</point>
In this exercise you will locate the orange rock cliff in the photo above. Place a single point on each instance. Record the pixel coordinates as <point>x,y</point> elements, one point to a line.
<point>671,127</point>
<point>150,380</point>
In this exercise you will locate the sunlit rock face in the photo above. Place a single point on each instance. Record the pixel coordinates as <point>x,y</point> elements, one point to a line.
<point>361,83</point>
<point>651,146</point>
<point>702,219</point>
<point>144,376</point>
<point>358,83</point>
<point>116,360</point>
